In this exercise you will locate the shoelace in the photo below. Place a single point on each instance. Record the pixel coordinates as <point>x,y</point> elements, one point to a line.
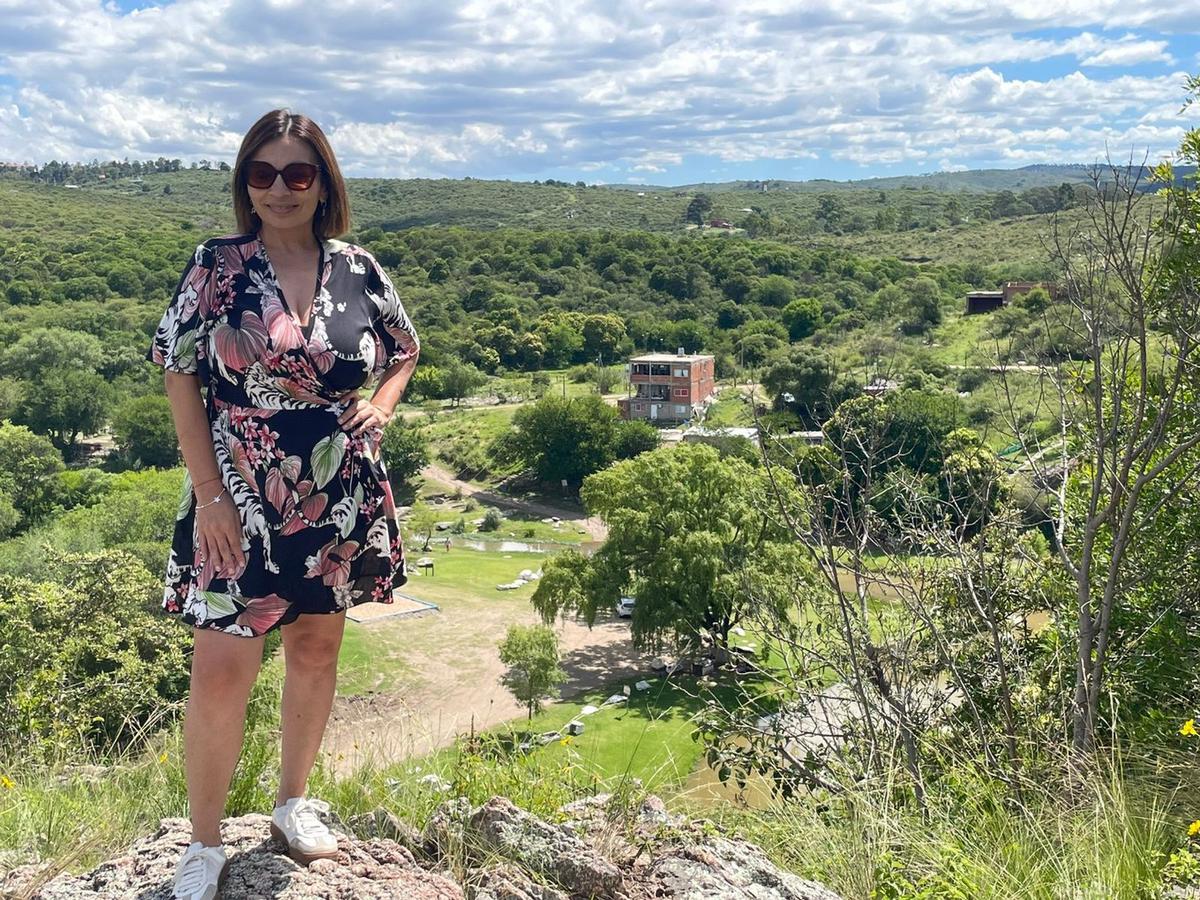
<point>307,818</point>
<point>192,874</point>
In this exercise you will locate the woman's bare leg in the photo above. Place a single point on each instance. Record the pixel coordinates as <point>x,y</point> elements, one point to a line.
<point>310,651</point>
<point>224,667</point>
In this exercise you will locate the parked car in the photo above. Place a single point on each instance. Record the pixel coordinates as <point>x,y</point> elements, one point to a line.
<point>625,607</point>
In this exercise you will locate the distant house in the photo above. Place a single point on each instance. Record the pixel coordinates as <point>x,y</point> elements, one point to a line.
<point>668,388</point>
<point>880,386</point>
<point>989,301</point>
<point>719,223</point>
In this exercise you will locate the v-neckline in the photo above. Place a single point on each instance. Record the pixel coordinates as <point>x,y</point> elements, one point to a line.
<point>305,330</point>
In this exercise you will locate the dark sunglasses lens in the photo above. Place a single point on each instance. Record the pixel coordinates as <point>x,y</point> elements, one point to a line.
<point>260,175</point>
<point>299,176</point>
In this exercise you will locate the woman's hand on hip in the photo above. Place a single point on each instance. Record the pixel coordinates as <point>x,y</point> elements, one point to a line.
<point>220,529</point>
<point>363,417</point>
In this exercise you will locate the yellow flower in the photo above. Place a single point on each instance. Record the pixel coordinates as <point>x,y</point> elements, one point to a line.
<point>1194,828</point>
<point>1189,728</point>
<point>163,758</point>
<point>7,783</point>
<point>566,740</point>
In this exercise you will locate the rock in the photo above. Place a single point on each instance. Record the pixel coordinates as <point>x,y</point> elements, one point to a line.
<point>642,685</point>
<point>574,728</point>
<point>363,870</point>
<point>588,710</point>
<point>557,854</point>
<point>725,869</point>
<point>509,883</point>
<point>603,852</point>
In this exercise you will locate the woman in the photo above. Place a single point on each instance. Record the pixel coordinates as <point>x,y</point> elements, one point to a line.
<point>287,518</point>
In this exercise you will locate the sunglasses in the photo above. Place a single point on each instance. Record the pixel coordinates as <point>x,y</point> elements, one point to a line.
<point>298,176</point>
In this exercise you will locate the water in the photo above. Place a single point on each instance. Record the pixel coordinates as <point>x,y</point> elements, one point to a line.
<point>587,548</point>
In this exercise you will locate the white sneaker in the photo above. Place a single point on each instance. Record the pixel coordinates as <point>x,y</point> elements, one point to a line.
<point>298,827</point>
<point>200,873</point>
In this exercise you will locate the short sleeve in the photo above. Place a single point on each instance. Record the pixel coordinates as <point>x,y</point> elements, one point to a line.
<point>396,339</point>
<point>175,341</point>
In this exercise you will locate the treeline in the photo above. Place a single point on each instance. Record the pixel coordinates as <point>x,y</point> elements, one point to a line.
<point>55,172</point>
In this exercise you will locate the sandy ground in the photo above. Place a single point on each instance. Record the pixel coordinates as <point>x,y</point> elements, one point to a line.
<point>446,693</point>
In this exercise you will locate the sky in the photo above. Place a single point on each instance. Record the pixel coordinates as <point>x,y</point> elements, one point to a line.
<point>606,91</point>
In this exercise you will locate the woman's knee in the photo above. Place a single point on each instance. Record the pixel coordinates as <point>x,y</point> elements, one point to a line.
<point>225,662</point>
<point>312,645</point>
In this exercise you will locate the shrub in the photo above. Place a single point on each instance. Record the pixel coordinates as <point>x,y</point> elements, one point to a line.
<point>492,520</point>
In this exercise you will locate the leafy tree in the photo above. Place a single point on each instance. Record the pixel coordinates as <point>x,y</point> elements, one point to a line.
<point>603,336</point>
<point>803,317</point>
<point>405,451</point>
<point>459,380</point>
<point>806,382</point>
<point>29,468</point>
<point>145,431</point>
<point>422,520</point>
<point>698,209</point>
<point>922,306</point>
<point>634,438</point>
<point>533,673</point>
<point>66,405</point>
<point>564,439</point>
<point>46,350</point>
<point>774,290</point>
<point>694,537</point>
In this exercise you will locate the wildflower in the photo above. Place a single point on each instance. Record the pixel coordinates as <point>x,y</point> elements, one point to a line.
<point>162,759</point>
<point>1194,828</point>
<point>7,783</point>
<point>1189,728</point>
<point>566,740</point>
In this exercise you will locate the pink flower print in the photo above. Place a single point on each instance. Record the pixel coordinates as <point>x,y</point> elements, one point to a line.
<point>241,346</point>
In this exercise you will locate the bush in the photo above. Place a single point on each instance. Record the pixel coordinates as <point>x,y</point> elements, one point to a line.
<point>492,520</point>
<point>405,452</point>
<point>88,663</point>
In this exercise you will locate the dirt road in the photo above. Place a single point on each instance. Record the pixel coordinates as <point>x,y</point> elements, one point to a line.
<point>450,689</point>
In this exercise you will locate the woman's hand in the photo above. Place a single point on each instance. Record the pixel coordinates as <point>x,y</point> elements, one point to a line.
<point>362,416</point>
<point>220,529</point>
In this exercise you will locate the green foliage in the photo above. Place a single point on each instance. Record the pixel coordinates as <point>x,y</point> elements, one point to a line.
<point>29,468</point>
<point>531,655</point>
<point>405,451</point>
<point>86,662</point>
<point>698,540</point>
<point>806,382</point>
<point>633,438</point>
<point>492,520</point>
<point>564,439</point>
<point>422,520</point>
<point>144,429</point>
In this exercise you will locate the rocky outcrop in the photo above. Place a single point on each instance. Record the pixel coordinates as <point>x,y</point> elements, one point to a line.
<point>494,852</point>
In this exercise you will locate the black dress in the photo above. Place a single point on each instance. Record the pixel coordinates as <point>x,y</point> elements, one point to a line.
<point>319,528</point>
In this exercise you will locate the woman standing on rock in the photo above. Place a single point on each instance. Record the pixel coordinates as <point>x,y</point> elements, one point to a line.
<point>286,518</point>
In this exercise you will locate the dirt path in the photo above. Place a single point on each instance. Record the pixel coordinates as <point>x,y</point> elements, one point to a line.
<point>447,693</point>
<point>595,528</point>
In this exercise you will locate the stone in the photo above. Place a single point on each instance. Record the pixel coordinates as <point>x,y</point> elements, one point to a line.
<point>502,828</point>
<point>726,869</point>
<point>375,869</point>
<point>507,882</point>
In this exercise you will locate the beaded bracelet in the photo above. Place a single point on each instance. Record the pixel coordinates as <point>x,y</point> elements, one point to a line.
<point>216,499</point>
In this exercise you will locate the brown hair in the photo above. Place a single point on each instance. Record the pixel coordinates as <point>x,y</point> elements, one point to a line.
<point>334,220</point>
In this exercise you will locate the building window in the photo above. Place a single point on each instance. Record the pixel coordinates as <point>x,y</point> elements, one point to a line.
<point>681,392</point>
<point>682,410</point>
<point>681,373</point>
<point>639,407</point>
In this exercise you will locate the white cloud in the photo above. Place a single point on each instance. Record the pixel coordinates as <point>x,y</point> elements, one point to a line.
<point>522,87</point>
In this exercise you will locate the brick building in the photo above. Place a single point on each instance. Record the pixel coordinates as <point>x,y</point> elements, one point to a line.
<point>668,388</point>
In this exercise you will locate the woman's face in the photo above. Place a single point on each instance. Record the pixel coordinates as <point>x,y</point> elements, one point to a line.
<point>279,206</point>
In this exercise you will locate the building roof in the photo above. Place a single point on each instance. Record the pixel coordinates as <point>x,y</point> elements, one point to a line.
<point>668,358</point>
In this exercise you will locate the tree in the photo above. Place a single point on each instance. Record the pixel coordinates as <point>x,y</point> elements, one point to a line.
<point>531,654</point>
<point>698,209</point>
<point>806,382</point>
<point>29,467</point>
<point>774,290</point>
<point>830,212</point>
<point>634,438</point>
<point>145,431</point>
<point>922,305</point>
<point>65,405</point>
<point>603,336</point>
<point>692,536</point>
<point>459,380</point>
<point>405,451</point>
<point>564,439</point>
<point>422,520</point>
<point>802,317</point>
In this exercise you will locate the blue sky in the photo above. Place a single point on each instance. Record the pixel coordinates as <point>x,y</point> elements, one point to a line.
<point>642,91</point>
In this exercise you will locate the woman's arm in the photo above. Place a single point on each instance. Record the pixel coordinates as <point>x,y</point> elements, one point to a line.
<point>218,525</point>
<point>392,385</point>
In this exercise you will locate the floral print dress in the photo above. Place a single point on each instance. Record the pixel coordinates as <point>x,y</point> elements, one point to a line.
<point>319,530</point>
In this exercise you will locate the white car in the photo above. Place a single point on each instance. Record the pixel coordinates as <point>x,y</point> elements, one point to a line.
<point>625,607</point>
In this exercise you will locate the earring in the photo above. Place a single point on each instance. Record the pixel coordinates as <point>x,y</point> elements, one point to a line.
<point>321,209</point>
